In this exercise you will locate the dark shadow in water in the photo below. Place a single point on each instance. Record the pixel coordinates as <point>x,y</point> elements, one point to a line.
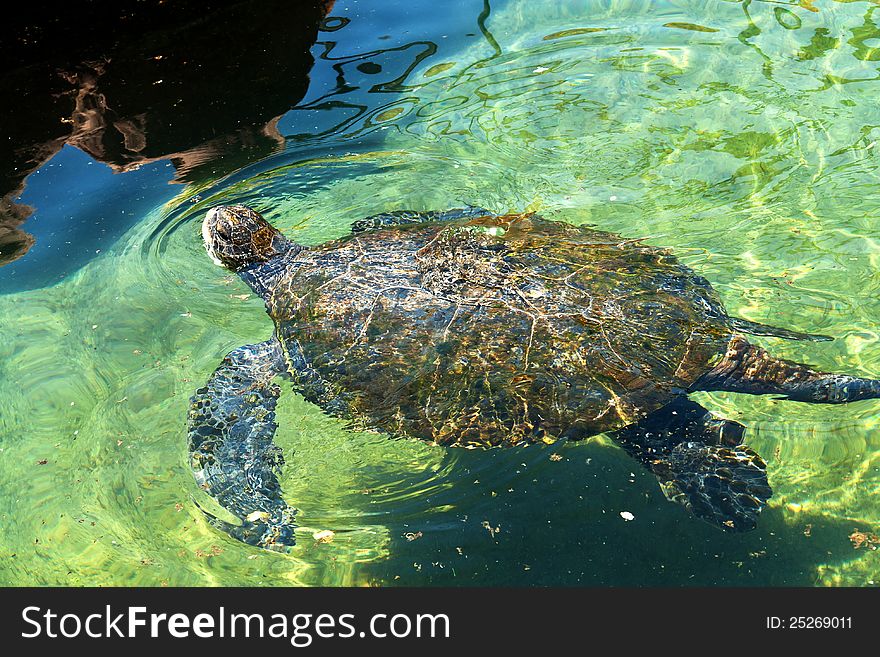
<point>526,521</point>
<point>201,84</point>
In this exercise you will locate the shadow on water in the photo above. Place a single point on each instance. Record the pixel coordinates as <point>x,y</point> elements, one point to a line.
<point>203,86</point>
<point>573,534</point>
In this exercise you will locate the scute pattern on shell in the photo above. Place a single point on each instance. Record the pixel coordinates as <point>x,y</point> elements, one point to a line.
<point>494,330</point>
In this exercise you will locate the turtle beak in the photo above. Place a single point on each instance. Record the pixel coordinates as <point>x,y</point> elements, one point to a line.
<point>208,234</point>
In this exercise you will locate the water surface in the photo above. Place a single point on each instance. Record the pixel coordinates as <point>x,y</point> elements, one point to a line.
<point>741,134</point>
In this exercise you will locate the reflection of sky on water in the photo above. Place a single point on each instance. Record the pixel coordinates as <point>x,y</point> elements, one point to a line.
<point>81,209</point>
<point>361,67</point>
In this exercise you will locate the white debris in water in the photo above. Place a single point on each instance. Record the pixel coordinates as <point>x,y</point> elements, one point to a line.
<point>626,515</point>
<point>324,536</point>
<point>541,69</point>
<point>612,198</point>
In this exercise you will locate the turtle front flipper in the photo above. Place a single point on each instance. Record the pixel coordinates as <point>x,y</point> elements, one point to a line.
<point>408,217</point>
<point>231,423</point>
<point>701,463</point>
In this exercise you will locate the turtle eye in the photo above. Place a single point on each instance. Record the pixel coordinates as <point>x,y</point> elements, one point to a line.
<point>223,231</point>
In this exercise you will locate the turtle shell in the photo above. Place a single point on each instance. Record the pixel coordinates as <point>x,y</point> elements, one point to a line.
<point>495,330</point>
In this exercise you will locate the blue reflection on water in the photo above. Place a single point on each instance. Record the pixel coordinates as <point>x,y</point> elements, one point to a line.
<point>80,209</point>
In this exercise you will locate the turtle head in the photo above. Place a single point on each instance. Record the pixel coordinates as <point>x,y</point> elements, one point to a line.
<point>237,237</point>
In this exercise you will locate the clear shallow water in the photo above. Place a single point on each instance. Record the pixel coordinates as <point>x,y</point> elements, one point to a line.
<point>743,135</point>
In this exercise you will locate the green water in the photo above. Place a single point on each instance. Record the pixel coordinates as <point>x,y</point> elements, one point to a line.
<point>741,134</point>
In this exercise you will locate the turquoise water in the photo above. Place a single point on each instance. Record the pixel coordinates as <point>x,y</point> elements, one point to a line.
<point>743,135</point>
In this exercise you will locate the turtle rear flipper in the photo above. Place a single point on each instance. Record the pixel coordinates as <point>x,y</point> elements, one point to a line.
<point>701,463</point>
<point>725,485</point>
<point>231,423</point>
<point>750,369</point>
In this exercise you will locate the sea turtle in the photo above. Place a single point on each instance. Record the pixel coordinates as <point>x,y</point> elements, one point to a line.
<point>466,328</point>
